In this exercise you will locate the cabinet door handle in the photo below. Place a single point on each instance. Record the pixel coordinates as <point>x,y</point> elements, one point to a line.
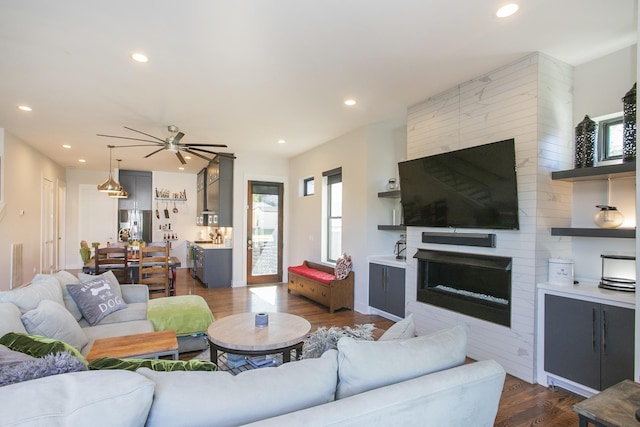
<point>593,329</point>
<point>382,278</point>
<point>604,331</point>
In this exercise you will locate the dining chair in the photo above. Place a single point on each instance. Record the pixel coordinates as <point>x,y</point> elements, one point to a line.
<point>153,269</point>
<point>113,258</point>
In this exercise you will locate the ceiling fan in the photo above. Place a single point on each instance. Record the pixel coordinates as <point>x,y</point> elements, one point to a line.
<point>172,144</point>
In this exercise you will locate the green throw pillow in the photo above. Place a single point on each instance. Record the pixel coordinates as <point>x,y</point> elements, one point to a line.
<point>38,346</point>
<point>153,364</point>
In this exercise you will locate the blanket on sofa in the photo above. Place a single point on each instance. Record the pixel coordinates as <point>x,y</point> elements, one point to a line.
<point>185,314</point>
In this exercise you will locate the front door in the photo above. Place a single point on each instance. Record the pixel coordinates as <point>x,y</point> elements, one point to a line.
<point>264,234</point>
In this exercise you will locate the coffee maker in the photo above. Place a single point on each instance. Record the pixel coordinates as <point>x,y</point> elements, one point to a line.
<point>401,247</point>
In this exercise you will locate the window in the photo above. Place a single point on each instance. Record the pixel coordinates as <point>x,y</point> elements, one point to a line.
<point>334,214</point>
<point>308,187</point>
<point>610,139</point>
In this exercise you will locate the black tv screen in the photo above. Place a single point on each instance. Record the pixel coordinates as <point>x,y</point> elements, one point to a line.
<point>470,188</point>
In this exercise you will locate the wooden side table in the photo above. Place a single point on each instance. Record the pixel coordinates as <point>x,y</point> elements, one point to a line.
<point>615,406</point>
<point>148,345</point>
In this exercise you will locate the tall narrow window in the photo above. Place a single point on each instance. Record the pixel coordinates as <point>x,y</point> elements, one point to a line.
<point>334,213</point>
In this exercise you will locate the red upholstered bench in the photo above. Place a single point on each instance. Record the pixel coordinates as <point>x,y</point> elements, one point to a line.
<point>318,282</point>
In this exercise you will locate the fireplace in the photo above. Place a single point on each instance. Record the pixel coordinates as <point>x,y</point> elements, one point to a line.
<point>475,285</point>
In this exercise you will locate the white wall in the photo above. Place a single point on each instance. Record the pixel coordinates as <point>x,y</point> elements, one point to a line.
<point>24,170</point>
<point>529,100</point>
<point>368,157</point>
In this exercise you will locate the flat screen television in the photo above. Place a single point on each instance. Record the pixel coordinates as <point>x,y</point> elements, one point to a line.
<point>470,188</point>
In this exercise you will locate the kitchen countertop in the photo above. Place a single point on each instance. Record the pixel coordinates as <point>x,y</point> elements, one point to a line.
<point>389,260</point>
<point>210,245</point>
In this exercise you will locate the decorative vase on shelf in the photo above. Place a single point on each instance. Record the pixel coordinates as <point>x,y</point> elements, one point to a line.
<point>392,184</point>
<point>608,217</point>
<point>586,133</point>
<point>629,125</point>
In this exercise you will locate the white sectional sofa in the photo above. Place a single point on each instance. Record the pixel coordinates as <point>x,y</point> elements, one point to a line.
<point>419,381</point>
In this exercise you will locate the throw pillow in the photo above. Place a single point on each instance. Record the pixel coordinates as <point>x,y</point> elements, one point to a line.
<point>37,346</point>
<point>10,318</point>
<point>52,320</point>
<point>343,266</point>
<point>28,297</point>
<point>51,364</point>
<point>404,329</point>
<point>365,365</point>
<point>107,275</point>
<point>131,364</point>
<point>96,299</point>
<point>65,278</point>
<point>10,357</point>
<point>324,338</point>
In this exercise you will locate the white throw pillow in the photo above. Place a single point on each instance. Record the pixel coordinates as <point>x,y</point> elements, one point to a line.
<point>365,365</point>
<point>222,399</point>
<point>28,297</point>
<point>96,398</point>
<point>10,319</point>
<point>52,320</point>
<point>404,329</point>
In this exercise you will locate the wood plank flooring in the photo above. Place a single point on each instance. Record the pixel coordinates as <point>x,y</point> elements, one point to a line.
<point>522,404</point>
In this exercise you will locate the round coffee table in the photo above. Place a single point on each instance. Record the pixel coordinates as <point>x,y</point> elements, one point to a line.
<point>238,334</point>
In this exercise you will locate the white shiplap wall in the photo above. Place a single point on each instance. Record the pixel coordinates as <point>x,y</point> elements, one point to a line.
<point>530,101</point>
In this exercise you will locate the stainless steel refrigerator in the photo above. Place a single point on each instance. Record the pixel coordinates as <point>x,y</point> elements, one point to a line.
<point>135,224</point>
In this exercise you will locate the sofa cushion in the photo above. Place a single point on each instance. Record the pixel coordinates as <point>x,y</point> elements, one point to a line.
<point>10,318</point>
<point>221,399</point>
<point>65,278</point>
<point>37,346</point>
<point>53,320</point>
<point>365,365</point>
<point>132,364</point>
<point>50,364</point>
<point>96,398</point>
<point>28,297</point>
<point>403,329</point>
<point>133,311</point>
<point>96,299</point>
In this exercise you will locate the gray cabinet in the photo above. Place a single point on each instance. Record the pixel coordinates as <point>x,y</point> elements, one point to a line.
<point>386,288</point>
<point>213,267</point>
<point>138,184</point>
<point>219,189</point>
<point>201,196</point>
<point>587,342</point>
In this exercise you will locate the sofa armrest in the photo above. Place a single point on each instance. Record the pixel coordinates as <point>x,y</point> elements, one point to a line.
<point>135,293</point>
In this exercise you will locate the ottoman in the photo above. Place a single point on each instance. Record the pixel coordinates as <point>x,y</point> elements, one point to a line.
<point>188,315</point>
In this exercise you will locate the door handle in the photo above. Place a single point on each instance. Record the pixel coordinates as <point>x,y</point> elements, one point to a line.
<point>249,245</point>
<point>593,329</point>
<point>604,331</point>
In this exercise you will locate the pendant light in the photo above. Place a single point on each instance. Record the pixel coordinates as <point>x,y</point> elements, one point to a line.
<point>110,185</point>
<point>122,194</point>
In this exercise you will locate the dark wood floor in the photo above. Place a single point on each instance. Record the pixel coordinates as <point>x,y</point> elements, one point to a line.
<point>522,404</point>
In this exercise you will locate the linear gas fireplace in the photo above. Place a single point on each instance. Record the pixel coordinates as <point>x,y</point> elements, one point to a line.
<point>475,285</point>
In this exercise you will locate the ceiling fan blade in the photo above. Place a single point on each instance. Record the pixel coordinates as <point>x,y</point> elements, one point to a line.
<point>202,150</point>
<point>207,145</point>
<point>182,160</point>
<point>151,154</point>
<point>177,138</point>
<point>193,151</point>
<point>126,137</point>
<point>137,145</point>
<point>196,154</point>
<point>150,136</point>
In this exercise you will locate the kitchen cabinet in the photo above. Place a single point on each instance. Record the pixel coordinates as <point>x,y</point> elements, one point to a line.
<point>588,342</point>
<point>219,192</point>
<point>201,196</point>
<point>596,173</point>
<point>213,265</point>
<point>386,288</point>
<point>138,185</point>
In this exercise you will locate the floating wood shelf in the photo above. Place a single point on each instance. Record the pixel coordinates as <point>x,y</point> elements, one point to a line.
<point>392,227</point>
<point>596,173</point>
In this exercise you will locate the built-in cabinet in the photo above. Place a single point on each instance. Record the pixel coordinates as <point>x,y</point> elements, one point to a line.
<point>215,193</point>
<point>201,196</point>
<point>387,288</point>
<point>588,342</point>
<point>138,184</point>
<point>213,266</point>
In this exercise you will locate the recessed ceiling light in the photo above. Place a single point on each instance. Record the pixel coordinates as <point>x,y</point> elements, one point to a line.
<point>187,157</point>
<point>181,168</point>
<point>507,10</point>
<point>139,57</point>
<point>67,146</point>
<point>350,102</point>
<point>281,141</point>
<point>25,108</point>
<point>82,161</point>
